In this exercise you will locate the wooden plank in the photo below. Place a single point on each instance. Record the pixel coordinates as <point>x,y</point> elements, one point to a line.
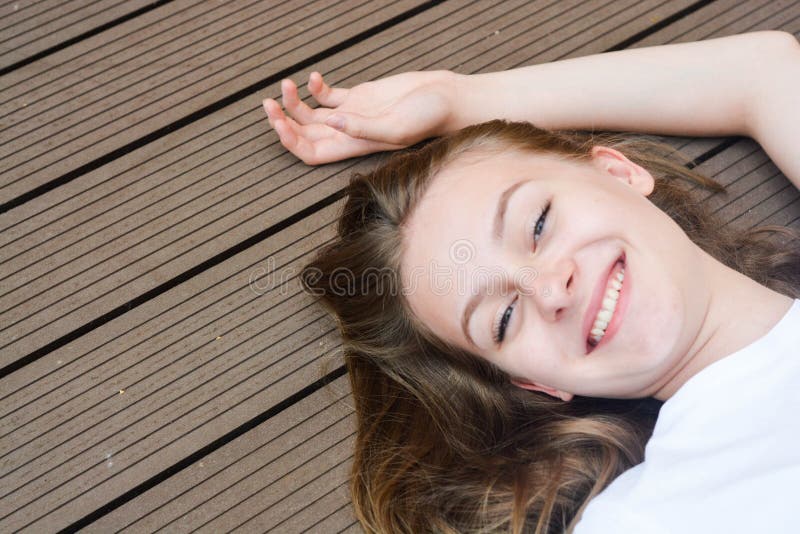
<point>354,528</point>
<point>265,467</point>
<point>151,207</point>
<point>27,28</point>
<point>192,365</point>
<point>786,215</point>
<point>758,191</point>
<point>730,17</point>
<point>90,109</point>
<point>321,515</point>
<point>317,477</point>
<point>157,208</point>
<point>127,351</point>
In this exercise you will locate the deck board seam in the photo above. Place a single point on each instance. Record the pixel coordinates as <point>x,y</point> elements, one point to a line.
<point>82,37</point>
<point>156,333</point>
<point>154,391</point>
<point>149,434</point>
<point>72,60</point>
<point>171,283</point>
<point>204,451</point>
<point>115,104</point>
<point>230,465</point>
<point>49,22</point>
<point>285,475</point>
<point>214,106</point>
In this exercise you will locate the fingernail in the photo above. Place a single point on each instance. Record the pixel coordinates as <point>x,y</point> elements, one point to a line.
<point>335,121</point>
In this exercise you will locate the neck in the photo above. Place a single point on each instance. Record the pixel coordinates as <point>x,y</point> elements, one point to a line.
<point>739,311</point>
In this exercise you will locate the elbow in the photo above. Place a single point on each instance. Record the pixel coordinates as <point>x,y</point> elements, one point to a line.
<point>775,78</point>
<point>774,49</point>
<point>778,48</point>
<point>782,44</point>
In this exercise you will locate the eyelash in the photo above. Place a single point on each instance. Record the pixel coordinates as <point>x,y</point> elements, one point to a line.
<point>499,328</point>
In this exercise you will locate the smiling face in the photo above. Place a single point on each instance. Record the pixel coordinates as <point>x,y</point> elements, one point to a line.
<point>510,257</point>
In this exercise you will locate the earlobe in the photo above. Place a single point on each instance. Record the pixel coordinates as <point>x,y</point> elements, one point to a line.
<point>615,163</point>
<point>563,395</point>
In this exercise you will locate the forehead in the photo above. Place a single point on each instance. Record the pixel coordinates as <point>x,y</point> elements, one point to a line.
<point>449,235</point>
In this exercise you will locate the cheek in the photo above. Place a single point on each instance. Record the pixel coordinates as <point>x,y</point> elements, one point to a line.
<point>537,357</point>
<point>662,319</point>
<point>658,321</point>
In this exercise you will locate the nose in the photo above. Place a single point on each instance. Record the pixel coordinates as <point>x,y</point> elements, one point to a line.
<point>551,288</point>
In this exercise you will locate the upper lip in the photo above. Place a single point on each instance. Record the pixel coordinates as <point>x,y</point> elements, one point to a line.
<point>596,298</point>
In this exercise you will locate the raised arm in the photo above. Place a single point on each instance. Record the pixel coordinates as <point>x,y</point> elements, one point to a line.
<point>740,85</point>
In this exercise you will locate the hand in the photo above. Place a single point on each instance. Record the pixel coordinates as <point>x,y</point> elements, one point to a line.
<point>386,114</point>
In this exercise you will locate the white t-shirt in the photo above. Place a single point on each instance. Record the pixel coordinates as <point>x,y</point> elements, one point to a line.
<point>725,451</point>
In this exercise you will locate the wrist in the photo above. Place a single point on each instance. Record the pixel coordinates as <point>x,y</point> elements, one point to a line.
<point>457,88</point>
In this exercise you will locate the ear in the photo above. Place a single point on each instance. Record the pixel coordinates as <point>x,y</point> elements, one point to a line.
<point>563,395</point>
<point>615,163</point>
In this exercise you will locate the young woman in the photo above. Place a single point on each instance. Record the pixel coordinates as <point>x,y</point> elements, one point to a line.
<point>497,288</point>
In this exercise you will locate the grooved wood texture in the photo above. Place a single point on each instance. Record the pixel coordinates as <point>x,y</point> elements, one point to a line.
<point>161,67</point>
<point>29,27</point>
<point>235,348</point>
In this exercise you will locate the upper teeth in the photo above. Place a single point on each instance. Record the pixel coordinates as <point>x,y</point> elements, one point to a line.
<point>607,307</point>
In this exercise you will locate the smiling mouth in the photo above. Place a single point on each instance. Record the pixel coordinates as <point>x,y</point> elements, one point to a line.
<point>605,304</point>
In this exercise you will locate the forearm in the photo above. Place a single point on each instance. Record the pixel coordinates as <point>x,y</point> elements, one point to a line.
<point>700,88</point>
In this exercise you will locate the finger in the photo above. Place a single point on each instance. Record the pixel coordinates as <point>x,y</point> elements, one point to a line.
<point>286,135</point>
<point>295,107</point>
<point>335,149</point>
<point>383,128</point>
<point>299,110</point>
<point>273,110</point>
<point>301,140</point>
<point>316,144</point>
<point>325,94</point>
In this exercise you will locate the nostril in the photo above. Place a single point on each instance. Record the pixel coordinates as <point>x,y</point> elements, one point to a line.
<point>569,282</point>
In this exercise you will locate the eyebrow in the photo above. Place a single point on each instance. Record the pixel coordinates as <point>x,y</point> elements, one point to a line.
<point>472,304</point>
<point>499,224</point>
<point>502,206</point>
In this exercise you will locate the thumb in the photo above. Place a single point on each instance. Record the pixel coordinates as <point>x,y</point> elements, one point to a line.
<point>360,127</point>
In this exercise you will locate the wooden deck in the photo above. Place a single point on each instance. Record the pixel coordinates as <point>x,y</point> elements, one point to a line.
<point>160,366</point>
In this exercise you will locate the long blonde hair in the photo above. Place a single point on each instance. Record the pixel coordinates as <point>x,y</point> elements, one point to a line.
<point>445,442</point>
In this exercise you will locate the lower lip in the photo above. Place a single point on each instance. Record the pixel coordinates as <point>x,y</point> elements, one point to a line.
<point>619,311</point>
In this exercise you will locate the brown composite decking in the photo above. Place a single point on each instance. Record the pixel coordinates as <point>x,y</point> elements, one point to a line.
<point>161,368</point>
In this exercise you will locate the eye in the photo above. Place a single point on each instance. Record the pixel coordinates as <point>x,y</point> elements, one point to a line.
<point>538,228</point>
<point>499,329</point>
